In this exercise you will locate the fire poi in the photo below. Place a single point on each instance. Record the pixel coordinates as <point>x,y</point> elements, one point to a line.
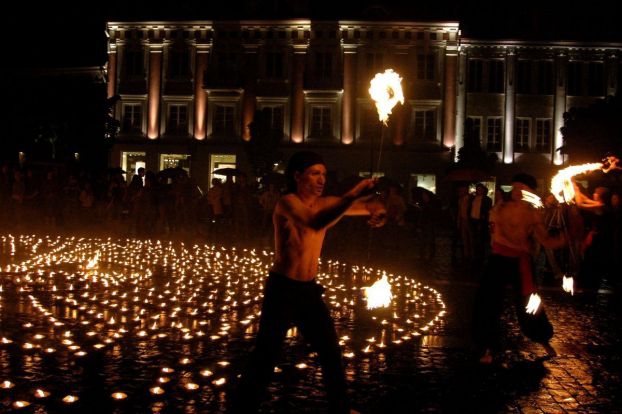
<point>563,188</point>
<point>386,91</point>
<point>533,304</point>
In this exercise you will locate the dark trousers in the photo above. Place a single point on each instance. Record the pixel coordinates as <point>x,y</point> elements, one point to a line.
<point>498,273</point>
<point>288,302</point>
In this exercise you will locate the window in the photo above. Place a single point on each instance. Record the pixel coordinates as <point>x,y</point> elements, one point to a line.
<point>521,134</point>
<point>227,64</point>
<point>543,135</point>
<point>224,117</point>
<point>323,65</point>
<point>274,117</point>
<point>175,161</point>
<point>546,78</point>
<point>132,118</point>
<point>369,124</point>
<point>493,134</point>
<point>321,122</point>
<point>134,63</point>
<point>221,161</point>
<point>374,62</point>
<point>496,76</point>
<point>274,65</point>
<point>473,129</point>
<point>427,181</point>
<point>131,162</point>
<point>596,79</point>
<point>179,63</point>
<point>475,75</point>
<point>424,125</point>
<point>574,78</point>
<point>523,76</point>
<point>177,119</point>
<point>425,66</point>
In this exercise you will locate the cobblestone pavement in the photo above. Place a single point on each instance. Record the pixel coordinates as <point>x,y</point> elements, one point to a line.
<point>441,373</point>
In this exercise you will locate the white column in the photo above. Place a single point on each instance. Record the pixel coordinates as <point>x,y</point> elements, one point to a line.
<point>560,106</point>
<point>510,107</point>
<point>460,102</point>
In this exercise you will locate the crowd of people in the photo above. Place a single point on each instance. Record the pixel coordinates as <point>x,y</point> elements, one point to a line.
<point>238,210</point>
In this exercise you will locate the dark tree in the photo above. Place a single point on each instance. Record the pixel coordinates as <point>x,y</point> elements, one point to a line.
<point>111,125</point>
<point>471,155</point>
<point>589,133</point>
<point>262,148</point>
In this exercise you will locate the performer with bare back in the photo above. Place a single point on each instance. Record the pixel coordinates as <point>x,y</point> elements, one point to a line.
<point>514,224</point>
<point>292,296</point>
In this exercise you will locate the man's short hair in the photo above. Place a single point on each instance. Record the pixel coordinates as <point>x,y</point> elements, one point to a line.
<point>527,179</point>
<point>299,162</point>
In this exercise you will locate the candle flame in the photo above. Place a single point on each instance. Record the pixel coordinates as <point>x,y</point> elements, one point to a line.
<point>379,294</point>
<point>386,90</point>
<point>92,263</point>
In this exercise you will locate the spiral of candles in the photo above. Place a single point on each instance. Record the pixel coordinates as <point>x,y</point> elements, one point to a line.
<point>170,311</point>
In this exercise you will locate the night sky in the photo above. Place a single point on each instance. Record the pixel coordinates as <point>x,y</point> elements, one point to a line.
<point>51,28</point>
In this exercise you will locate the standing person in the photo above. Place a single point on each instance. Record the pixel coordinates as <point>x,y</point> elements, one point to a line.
<point>465,236</point>
<point>267,201</point>
<point>514,224</point>
<point>291,294</point>
<point>479,209</point>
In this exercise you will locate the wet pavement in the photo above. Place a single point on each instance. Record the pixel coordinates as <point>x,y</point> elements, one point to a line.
<point>439,373</point>
<point>443,374</point>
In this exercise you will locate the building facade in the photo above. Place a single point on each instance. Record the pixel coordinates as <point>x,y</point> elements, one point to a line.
<point>189,91</point>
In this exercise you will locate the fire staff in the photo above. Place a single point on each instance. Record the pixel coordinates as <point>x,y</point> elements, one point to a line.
<point>291,294</point>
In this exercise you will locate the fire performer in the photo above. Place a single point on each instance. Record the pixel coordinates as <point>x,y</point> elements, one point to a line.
<point>291,294</point>
<point>514,225</point>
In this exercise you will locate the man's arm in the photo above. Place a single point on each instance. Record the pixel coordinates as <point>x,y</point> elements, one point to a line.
<point>331,208</point>
<point>542,235</point>
<point>369,206</point>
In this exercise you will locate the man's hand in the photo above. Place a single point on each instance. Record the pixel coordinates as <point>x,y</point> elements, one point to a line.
<point>378,218</point>
<point>363,188</point>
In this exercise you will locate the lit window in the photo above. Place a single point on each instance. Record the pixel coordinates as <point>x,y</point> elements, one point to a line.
<point>493,134</point>
<point>521,134</point>
<point>543,135</point>
<point>132,117</point>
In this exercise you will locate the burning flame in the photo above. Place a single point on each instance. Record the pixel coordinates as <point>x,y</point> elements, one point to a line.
<point>532,199</point>
<point>561,184</point>
<point>386,90</point>
<point>93,262</point>
<point>379,294</point>
<point>533,304</point>
<point>568,284</point>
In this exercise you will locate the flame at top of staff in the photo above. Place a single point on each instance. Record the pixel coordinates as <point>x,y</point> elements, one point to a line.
<point>386,90</point>
<point>561,184</point>
<point>379,294</point>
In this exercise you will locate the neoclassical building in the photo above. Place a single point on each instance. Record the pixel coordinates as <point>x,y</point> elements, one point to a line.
<point>190,89</point>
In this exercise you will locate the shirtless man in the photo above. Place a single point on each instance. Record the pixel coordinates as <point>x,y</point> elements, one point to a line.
<point>292,295</point>
<point>514,226</point>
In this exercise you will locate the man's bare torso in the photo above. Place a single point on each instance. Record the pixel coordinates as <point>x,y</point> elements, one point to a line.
<point>298,246</point>
<point>512,224</point>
